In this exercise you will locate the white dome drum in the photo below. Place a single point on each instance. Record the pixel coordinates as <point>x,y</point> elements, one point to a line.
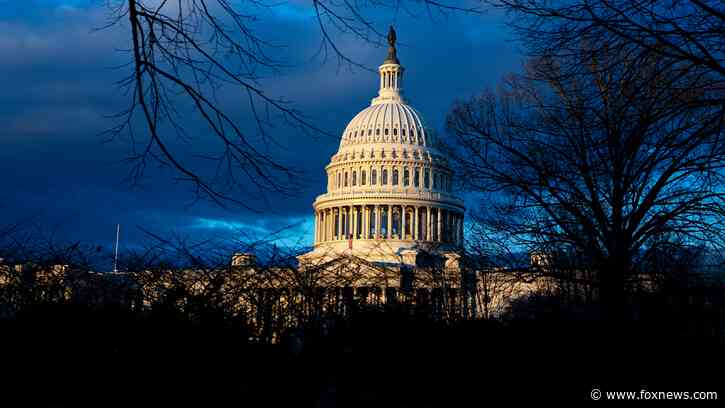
<point>389,188</point>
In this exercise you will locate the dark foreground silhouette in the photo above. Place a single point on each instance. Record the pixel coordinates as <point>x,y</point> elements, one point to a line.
<point>72,356</point>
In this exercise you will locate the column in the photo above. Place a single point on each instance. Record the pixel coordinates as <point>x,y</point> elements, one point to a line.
<point>345,222</point>
<point>438,227</point>
<point>429,225</point>
<point>416,221</point>
<point>324,225</point>
<point>321,226</point>
<point>366,214</point>
<point>354,222</point>
<point>317,226</point>
<point>330,221</point>
<point>377,222</point>
<point>402,222</point>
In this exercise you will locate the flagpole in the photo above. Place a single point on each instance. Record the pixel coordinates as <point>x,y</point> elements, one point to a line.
<point>115,250</point>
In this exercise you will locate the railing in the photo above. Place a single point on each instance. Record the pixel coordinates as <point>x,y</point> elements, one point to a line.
<point>358,193</point>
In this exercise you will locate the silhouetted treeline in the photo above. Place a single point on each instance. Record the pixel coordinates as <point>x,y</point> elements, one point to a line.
<point>88,339</point>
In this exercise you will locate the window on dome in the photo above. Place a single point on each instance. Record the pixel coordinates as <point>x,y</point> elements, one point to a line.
<point>426,178</point>
<point>373,177</point>
<point>370,132</point>
<point>395,131</point>
<point>403,130</point>
<point>354,177</point>
<point>416,178</point>
<point>384,177</point>
<point>338,181</point>
<point>362,178</point>
<point>377,132</point>
<point>382,153</point>
<point>345,179</point>
<point>386,131</point>
<point>406,177</point>
<point>395,177</point>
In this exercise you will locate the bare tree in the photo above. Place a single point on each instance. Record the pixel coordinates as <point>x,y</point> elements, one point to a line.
<point>600,165</point>
<point>689,34</point>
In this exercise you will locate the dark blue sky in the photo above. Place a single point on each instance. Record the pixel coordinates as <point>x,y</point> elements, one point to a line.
<point>58,85</point>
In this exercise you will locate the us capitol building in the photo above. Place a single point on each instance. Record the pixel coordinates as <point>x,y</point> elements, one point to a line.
<point>389,196</point>
<point>387,230</point>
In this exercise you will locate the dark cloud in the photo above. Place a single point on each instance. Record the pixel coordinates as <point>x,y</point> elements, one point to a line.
<point>58,87</point>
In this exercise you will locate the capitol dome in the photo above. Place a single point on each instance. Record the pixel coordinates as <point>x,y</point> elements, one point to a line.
<point>388,186</point>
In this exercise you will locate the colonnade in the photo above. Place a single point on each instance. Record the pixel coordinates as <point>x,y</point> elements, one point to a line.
<point>385,221</point>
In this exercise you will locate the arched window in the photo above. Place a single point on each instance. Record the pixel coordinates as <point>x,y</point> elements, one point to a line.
<point>338,180</point>
<point>406,177</point>
<point>370,132</point>
<point>362,178</point>
<point>403,131</point>
<point>395,131</point>
<point>416,177</point>
<point>345,179</point>
<point>426,178</point>
<point>377,132</point>
<point>384,179</point>
<point>373,177</point>
<point>395,177</point>
<point>354,177</point>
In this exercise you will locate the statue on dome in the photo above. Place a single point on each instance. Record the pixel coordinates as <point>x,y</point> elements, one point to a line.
<point>392,55</point>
